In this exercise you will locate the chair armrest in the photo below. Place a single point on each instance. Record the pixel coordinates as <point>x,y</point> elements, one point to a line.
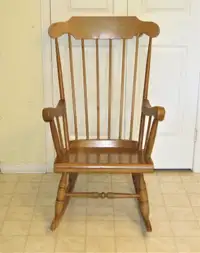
<point>50,113</point>
<point>157,112</point>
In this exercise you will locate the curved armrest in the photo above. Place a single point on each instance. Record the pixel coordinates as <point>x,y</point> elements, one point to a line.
<point>49,113</point>
<point>157,112</point>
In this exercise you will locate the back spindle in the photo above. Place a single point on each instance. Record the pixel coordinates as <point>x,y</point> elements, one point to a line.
<point>122,89</point>
<point>134,86</point>
<point>109,88</point>
<point>98,89</point>
<point>85,89</point>
<point>73,86</point>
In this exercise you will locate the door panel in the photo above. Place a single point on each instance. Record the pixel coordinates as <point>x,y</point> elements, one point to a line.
<point>64,9</point>
<point>174,76</point>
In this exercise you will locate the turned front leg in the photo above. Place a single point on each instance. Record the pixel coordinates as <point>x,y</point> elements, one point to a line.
<point>60,200</point>
<point>144,202</point>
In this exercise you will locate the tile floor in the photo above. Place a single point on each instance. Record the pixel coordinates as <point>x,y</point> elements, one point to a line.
<point>27,206</point>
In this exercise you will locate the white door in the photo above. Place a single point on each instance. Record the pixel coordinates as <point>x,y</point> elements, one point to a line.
<point>174,76</point>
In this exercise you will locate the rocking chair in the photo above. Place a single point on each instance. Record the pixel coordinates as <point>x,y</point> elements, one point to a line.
<point>97,153</point>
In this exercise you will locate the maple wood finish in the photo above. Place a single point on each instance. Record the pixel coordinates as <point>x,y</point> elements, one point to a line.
<point>103,155</point>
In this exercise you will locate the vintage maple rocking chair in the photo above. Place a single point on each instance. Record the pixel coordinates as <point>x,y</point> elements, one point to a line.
<point>97,153</point>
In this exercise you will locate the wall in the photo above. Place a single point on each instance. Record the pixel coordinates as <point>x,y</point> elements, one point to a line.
<point>22,132</point>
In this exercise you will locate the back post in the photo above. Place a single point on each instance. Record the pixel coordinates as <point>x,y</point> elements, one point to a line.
<point>145,93</point>
<point>62,94</point>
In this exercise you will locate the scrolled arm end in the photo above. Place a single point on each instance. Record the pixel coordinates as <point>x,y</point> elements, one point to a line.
<point>158,112</point>
<point>47,114</point>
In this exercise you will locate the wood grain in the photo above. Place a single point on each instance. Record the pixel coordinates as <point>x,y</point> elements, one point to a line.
<point>104,28</point>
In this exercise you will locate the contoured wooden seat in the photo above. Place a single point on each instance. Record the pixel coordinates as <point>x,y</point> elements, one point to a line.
<point>99,154</point>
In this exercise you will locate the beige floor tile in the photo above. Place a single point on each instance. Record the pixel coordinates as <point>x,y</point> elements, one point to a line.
<point>19,213</point>
<point>12,244</point>
<point>127,228</point>
<point>172,187</point>
<point>126,209</point>
<point>185,228</point>
<point>151,178</point>
<point>190,177</point>
<point>5,199</point>
<point>7,187</point>
<point>82,186</point>
<point>160,244</point>
<point>100,228</point>
<point>127,213</point>
<point>11,228</point>
<point>126,203</point>
<point>44,244</point>
<point>70,244</point>
<point>98,209</point>
<point>196,210</point>
<point>43,213</point>
<point>45,199</point>
<point>188,244</point>
<point>100,213</point>
<point>156,199</point>
<point>192,188</point>
<point>186,172</point>
<point>100,202</point>
<point>75,213</point>
<point>78,202</point>
<point>27,187</point>
<point>160,228</point>
<point>158,213</point>
<point>41,228</point>
<point>82,178</point>
<point>122,187</point>
<point>168,177</point>
<point>194,199</point>
<point>153,188</point>
<point>130,244</point>
<point>9,177</point>
<point>3,211</point>
<point>49,177</point>
<point>48,188</point>
<point>100,244</point>
<point>167,173</point>
<point>120,178</point>
<point>176,200</point>
<point>72,228</point>
<point>99,187</point>
<point>180,213</point>
<point>23,200</point>
<point>106,178</point>
<point>30,177</point>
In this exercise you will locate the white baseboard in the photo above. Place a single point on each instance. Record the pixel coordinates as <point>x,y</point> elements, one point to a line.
<point>23,168</point>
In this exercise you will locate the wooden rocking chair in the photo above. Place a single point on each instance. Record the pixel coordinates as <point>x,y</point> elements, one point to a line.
<point>100,154</point>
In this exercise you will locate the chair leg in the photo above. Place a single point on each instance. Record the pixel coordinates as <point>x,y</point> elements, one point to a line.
<point>140,188</point>
<point>67,183</point>
<point>59,205</point>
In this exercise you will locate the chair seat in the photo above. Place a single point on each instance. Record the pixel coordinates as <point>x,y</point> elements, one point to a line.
<point>113,156</point>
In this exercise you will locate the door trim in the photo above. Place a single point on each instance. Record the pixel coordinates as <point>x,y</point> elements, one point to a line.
<point>48,86</point>
<point>196,160</point>
<point>45,6</point>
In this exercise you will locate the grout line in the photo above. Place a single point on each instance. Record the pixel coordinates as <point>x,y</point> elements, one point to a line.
<point>191,206</point>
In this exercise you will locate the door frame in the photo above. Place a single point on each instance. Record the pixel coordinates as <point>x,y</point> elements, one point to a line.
<point>48,87</point>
